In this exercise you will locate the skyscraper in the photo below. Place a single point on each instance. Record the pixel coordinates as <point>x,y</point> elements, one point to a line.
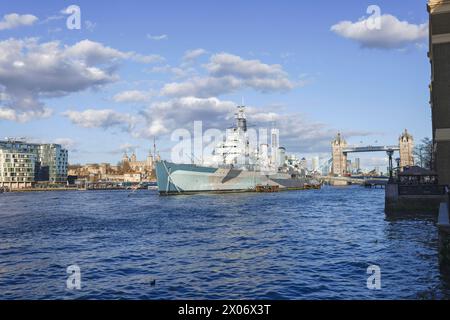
<point>315,164</point>
<point>357,165</point>
<point>439,55</point>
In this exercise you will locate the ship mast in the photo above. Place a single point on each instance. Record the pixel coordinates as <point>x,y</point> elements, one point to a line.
<point>241,119</point>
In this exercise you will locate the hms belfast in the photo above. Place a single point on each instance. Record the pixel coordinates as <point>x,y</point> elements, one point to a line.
<point>236,167</point>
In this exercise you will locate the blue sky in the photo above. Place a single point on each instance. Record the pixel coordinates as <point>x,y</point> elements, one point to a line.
<point>282,56</point>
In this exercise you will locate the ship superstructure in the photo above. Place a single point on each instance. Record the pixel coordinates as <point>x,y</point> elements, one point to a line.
<point>237,164</point>
<point>238,151</point>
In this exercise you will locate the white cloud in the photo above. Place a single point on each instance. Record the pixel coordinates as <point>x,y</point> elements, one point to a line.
<point>185,69</point>
<point>93,53</point>
<point>161,69</point>
<point>124,147</point>
<point>14,20</point>
<point>64,141</point>
<point>133,96</point>
<point>228,73</point>
<point>177,72</point>
<point>298,133</point>
<point>31,71</point>
<point>202,87</point>
<point>163,117</point>
<point>127,147</point>
<point>67,143</point>
<point>24,116</point>
<point>105,118</point>
<point>392,33</point>
<point>157,37</point>
<point>224,64</point>
<point>194,54</point>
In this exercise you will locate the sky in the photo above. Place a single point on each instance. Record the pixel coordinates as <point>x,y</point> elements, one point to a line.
<point>139,70</point>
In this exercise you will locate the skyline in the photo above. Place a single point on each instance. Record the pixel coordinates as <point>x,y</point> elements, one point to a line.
<point>131,74</point>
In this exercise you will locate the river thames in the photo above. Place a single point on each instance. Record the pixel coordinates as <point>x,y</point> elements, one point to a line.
<point>314,244</point>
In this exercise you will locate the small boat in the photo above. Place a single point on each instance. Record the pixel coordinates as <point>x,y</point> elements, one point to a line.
<point>311,186</point>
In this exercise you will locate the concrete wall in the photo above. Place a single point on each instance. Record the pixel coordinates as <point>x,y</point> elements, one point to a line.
<point>399,205</point>
<point>444,236</point>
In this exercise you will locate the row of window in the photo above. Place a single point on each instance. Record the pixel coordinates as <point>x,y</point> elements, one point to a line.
<point>17,174</point>
<point>18,170</point>
<point>17,156</point>
<point>17,165</point>
<point>17,161</point>
<point>17,179</point>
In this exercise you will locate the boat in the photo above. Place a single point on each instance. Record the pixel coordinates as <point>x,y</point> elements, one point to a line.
<point>236,167</point>
<point>152,186</point>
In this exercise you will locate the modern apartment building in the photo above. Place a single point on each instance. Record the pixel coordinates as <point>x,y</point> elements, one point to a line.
<point>22,163</point>
<point>17,168</point>
<point>52,158</point>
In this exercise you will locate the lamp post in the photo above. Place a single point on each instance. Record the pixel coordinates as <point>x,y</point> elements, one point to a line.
<point>390,153</point>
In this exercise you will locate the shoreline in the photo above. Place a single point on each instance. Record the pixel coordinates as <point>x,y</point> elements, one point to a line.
<point>69,189</point>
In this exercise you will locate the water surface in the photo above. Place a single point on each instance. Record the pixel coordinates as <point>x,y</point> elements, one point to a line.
<point>313,244</point>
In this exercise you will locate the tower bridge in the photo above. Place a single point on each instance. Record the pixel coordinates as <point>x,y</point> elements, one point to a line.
<point>370,149</point>
<point>340,150</point>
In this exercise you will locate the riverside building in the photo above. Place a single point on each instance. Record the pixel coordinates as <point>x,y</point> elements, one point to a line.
<point>439,55</point>
<point>22,163</point>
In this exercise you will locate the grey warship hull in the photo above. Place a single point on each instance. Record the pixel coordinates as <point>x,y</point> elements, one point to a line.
<point>189,178</point>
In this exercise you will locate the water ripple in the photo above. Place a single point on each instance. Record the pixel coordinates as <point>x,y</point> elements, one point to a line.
<point>292,245</point>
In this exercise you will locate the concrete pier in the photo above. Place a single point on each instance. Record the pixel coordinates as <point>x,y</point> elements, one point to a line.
<point>414,192</point>
<point>399,203</point>
<point>444,236</point>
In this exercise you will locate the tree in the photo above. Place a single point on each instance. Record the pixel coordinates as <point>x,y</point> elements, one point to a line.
<point>124,167</point>
<point>423,153</point>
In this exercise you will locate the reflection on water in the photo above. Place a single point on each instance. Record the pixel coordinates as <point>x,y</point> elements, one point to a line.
<point>291,245</point>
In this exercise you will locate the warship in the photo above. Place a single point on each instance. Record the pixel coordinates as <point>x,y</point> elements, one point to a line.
<point>237,167</point>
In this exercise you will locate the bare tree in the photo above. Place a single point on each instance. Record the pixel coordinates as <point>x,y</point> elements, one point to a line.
<point>423,153</point>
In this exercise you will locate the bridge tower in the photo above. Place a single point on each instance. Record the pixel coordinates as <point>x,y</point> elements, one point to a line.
<point>406,145</point>
<point>339,157</point>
